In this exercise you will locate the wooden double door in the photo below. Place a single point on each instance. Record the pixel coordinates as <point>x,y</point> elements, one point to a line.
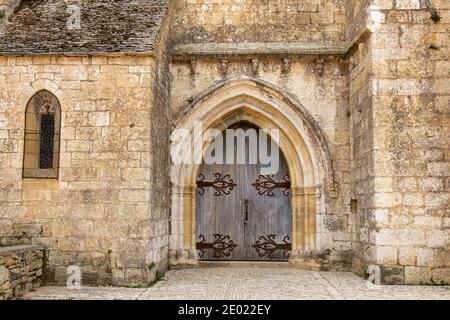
<point>243,215</point>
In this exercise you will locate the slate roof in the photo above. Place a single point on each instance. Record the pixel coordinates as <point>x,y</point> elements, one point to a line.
<point>107,26</point>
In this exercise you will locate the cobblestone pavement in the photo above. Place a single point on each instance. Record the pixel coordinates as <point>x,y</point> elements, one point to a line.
<point>249,284</point>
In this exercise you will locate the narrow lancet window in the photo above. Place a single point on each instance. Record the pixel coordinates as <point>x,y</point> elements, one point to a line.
<point>42,132</point>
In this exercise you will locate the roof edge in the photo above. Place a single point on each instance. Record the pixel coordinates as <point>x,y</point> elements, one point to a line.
<point>78,54</point>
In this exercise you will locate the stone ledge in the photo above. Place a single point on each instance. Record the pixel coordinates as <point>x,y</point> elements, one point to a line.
<point>20,248</point>
<point>256,48</point>
<point>268,48</point>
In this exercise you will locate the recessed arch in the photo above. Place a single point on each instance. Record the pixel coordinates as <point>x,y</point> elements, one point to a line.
<point>301,141</point>
<point>42,136</point>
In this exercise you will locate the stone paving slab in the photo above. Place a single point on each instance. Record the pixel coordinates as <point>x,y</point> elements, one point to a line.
<point>250,284</point>
<point>85,293</point>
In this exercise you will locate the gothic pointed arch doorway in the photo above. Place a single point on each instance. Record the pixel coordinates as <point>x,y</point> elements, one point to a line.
<point>243,214</point>
<point>302,143</point>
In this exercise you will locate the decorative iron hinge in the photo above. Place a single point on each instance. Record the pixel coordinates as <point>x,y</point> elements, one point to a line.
<point>223,184</point>
<point>266,185</point>
<point>266,246</point>
<point>223,246</point>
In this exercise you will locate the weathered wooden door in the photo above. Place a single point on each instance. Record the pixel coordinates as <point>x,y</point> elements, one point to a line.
<point>242,215</point>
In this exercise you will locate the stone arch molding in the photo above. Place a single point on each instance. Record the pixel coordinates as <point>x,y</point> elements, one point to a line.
<point>301,141</point>
<point>39,85</point>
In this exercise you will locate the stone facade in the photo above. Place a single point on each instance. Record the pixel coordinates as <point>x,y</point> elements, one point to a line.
<point>400,108</point>
<point>411,150</point>
<point>228,21</point>
<point>20,270</point>
<point>322,91</point>
<point>369,79</point>
<point>97,212</point>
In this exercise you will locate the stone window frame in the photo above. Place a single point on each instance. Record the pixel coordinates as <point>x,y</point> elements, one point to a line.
<point>41,103</point>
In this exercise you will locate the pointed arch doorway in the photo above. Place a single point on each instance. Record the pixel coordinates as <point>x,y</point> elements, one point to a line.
<point>302,142</point>
<point>242,214</point>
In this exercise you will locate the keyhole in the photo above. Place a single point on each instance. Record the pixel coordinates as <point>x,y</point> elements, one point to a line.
<point>246,203</point>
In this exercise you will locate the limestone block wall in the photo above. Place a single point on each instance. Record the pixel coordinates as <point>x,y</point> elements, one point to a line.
<point>383,106</point>
<point>411,108</point>
<point>97,213</point>
<point>323,90</point>
<point>399,112</point>
<point>357,15</point>
<point>228,21</point>
<point>362,148</point>
<point>160,128</point>
<point>361,130</point>
<point>20,270</point>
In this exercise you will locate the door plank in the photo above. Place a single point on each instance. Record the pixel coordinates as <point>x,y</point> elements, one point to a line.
<point>225,215</point>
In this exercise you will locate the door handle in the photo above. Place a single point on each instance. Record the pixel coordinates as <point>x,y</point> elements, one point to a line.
<point>246,203</point>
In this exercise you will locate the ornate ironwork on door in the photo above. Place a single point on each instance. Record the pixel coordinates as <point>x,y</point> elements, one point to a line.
<point>266,246</point>
<point>223,184</point>
<point>266,185</point>
<point>223,246</point>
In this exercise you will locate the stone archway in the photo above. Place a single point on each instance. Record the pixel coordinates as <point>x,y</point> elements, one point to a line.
<point>301,141</point>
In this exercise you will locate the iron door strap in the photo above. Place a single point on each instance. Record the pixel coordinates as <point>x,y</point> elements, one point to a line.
<point>266,246</point>
<point>266,185</point>
<point>222,246</point>
<point>222,184</point>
